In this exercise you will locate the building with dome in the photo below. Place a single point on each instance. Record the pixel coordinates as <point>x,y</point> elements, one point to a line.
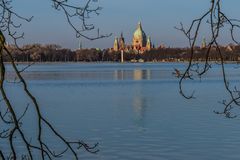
<point>139,38</point>
<point>140,42</point>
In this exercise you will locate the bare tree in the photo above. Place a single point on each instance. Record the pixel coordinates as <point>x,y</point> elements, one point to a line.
<point>217,21</point>
<point>10,121</point>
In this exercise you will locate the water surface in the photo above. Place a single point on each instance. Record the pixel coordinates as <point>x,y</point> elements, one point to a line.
<point>134,111</point>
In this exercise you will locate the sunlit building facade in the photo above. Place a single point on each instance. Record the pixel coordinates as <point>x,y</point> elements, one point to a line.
<point>140,42</point>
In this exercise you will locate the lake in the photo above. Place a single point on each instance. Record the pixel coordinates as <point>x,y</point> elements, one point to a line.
<point>134,111</point>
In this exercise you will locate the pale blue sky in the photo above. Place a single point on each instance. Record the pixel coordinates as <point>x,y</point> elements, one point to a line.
<point>158,18</point>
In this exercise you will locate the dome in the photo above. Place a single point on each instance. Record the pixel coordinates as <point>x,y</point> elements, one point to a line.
<point>139,33</point>
<point>139,37</point>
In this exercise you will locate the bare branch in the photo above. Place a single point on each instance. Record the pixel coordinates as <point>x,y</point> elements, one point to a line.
<point>217,21</point>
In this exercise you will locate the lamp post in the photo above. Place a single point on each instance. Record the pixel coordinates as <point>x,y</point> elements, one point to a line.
<point>122,58</point>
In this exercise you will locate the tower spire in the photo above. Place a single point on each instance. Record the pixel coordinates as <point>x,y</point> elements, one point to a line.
<point>149,43</point>
<point>121,42</point>
<point>116,44</point>
<point>140,25</point>
<point>121,34</point>
<point>204,43</point>
<point>80,45</point>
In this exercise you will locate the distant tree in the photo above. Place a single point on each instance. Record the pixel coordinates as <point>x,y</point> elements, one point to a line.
<point>35,56</point>
<point>88,55</point>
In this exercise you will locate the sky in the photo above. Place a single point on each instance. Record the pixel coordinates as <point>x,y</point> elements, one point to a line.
<point>158,18</point>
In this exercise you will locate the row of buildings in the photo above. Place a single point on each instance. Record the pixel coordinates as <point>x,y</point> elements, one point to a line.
<point>141,43</point>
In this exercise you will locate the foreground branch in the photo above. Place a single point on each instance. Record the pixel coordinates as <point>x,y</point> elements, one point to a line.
<point>217,21</point>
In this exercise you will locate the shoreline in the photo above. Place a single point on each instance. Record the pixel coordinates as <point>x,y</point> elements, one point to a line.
<point>112,62</point>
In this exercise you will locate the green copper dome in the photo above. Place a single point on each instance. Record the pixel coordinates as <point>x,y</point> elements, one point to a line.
<point>139,33</point>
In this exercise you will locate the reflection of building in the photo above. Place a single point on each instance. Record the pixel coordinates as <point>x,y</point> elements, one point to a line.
<point>139,74</point>
<point>136,74</point>
<point>119,75</point>
<point>140,105</point>
<point>140,42</point>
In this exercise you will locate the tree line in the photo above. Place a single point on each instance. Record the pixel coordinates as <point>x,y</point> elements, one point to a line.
<point>55,53</point>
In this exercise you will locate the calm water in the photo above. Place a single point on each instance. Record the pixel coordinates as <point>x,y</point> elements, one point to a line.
<point>133,110</point>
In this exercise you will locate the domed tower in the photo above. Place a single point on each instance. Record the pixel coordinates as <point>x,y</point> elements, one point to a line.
<point>116,45</point>
<point>149,44</point>
<point>121,42</point>
<point>204,43</point>
<point>139,38</point>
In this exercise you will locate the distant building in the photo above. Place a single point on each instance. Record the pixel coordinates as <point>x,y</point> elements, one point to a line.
<point>162,46</point>
<point>204,43</point>
<point>116,45</point>
<point>121,42</point>
<point>230,47</point>
<point>149,44</point>
<point>140,42</point>
<point>139,38</point>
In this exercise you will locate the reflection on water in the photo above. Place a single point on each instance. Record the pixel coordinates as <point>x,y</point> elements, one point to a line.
<point>139,105</point>
<point>133,110</point>
<point>139,74</point>
<point>76,72</point>
<point>96,72</point>
<point>135,74</point>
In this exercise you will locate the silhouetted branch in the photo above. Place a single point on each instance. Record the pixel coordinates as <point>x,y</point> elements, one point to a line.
<point>11,119</point>
<point>1,155</point>
<point>83,13</point>
<point>217,21</point>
